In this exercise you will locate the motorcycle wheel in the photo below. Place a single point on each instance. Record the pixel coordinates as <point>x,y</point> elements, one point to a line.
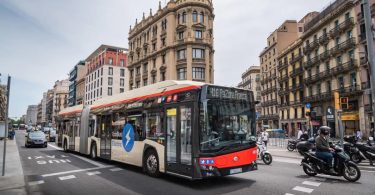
<point>267,159</point>
<point>351,172</point>
<point>309,172</point>
<point>290,148</point>
<point>356,158</point>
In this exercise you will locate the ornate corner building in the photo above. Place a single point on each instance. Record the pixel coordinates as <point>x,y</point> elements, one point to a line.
<point>175,43</point>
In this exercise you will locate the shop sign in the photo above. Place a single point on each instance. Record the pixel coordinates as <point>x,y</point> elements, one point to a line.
<point>330,113</point>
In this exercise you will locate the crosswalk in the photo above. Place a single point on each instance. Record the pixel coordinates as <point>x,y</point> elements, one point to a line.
<point>70,177</point>
<point>305,187</point>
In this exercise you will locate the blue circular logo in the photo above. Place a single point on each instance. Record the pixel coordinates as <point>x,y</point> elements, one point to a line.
<point>128,137</point>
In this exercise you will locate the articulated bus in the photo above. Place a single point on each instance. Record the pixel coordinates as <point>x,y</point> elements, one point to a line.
<point>183,128</point>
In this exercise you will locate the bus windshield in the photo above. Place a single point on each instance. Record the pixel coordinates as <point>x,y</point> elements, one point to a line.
<point>225,124</point>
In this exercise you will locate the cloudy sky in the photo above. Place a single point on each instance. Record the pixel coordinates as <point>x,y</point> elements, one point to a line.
<point>41,40</point>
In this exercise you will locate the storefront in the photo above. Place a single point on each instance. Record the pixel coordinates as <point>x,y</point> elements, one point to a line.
<point>350,123</point>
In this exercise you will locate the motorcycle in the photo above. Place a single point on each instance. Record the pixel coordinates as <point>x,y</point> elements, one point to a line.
<point>292,145</point>
<point>264,154</point>
<point>359,151</point>
<point>343,166</point>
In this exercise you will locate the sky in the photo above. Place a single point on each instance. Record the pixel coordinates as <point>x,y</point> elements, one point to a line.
<point>42,40</point>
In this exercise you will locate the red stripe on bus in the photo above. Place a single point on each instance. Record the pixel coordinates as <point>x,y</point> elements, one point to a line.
<point>148,96</point>
<point>235,159</point>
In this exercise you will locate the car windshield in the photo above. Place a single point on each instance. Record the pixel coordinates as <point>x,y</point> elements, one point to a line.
<point>225,124</point>
<point>36,134</point>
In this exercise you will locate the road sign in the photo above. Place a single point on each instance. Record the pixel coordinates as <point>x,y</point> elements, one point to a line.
<point>308,105</point>
<point>330,113</point>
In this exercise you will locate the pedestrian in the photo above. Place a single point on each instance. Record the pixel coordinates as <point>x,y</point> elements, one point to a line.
<point>359,135</point>
<point>304,136</point>
<point>264,137</point>
<point>299,134</point>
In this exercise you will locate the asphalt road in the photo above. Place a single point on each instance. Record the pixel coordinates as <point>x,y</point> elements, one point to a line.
<point>52,171</point>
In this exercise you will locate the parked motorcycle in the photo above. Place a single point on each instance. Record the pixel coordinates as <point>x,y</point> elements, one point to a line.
<point>292,145</point>
<point>343,166</point>
<point>359,151</point>
<point>264,154</point>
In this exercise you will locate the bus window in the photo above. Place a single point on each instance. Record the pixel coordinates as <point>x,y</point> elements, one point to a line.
<point>136,121</point>
<point>153,127</point>
<point>171,132</point>
<point>118,125</point>
<point>185,135</point>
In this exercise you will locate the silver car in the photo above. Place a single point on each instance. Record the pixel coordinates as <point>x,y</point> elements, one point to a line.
<point>35,138</point>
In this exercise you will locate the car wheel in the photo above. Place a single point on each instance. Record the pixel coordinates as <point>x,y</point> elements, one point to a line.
<point>45,145</point>
<point>151,164</point>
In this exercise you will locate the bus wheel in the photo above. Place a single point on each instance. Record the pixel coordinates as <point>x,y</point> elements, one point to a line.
<point>151,163</point>
<point>93,151</point>
<point>65,146</point>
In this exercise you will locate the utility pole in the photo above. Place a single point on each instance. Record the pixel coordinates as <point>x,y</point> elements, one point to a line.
<point>6,123</point>
<point>370,50</point>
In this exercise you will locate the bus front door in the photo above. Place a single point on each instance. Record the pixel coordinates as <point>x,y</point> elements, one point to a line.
<point>179,145</point>
<point>105,137</point>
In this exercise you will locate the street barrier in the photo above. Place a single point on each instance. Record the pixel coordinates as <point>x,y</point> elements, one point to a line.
<point>277,137</point>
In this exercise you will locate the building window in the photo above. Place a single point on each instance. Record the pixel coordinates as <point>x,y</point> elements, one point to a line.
<point>164,24</point>
<point>145,82</point>
<point>110,91</point>
<point>131,73</point>
<point>195,16</point>
<point>181,54</point>
<point>201,17</point>
<point>162,76</point>
<point>198,34</point>
<point>138,70</point>
<point>184,17</point>
<point>122,62</point>
<point>145,68</point>
<point>163,42</point>
<point>198,53</point>
<point>153,79</point>
<point>110,81</point>
<point>101,71</point>
<point>181,35</point>
<point>122,72</point>
<point>181,74</point>
<point>101,91</point>
<point>163,59</point>
<point>122,82</point>
<point>154,47</point>
<point>110,71</point>
<point>110,61</point>
<point>341,82</point>
<point>154,62</point>
<point>138,84</point>
<point>122,90</point>
<point>101,81</point>
<point>198,73</point>
<point>353,79</point>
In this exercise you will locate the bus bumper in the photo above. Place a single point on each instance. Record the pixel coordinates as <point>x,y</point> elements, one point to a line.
<point>211,171</point>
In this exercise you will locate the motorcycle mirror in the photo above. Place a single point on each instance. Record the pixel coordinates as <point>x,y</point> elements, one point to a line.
<point>371,138</point>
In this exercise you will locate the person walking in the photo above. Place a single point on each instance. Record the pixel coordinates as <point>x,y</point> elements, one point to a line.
<point>359,135</point>
<point>264,137</point>
<point>299,134</point>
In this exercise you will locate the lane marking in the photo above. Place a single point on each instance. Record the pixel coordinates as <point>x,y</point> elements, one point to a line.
<point>93,173</point>
<point>368,171</point>
<point>303,189</point>
<point>366,167</point>
<point>116,169</point>
<point>67,177</point>
<point>80,157</point>
<point>33,183</point>
<point>288,194</point>
<point>310,183</point>
<point>75,171</point>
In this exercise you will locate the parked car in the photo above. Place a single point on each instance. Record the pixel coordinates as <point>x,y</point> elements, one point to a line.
<point>50,133</point>
<point>35,138</point>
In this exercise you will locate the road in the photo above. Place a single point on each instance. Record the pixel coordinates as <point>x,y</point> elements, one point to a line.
<point>52,171</point>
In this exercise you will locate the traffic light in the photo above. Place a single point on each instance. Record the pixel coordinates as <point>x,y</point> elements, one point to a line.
<point>344,102</point>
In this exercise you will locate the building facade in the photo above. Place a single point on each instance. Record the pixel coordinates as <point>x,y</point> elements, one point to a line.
<point>106,70</point>
<point>31,115</point>
<point>39,114</point>
<point>281,38</point>
<point>175,43</point>
<point>75,77</point>
<point>60,98</point>
<point>44,109</point>
<point>49,106</point>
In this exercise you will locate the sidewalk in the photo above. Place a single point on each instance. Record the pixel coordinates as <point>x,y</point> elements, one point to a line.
<point>13,182</point>
<point>283,152</point>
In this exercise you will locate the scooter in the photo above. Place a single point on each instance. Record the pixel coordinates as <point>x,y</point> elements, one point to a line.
<point>264,154</point>
<point>359,152</point>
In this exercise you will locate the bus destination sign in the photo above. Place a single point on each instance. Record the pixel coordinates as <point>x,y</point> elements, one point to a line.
<point>227,93</point>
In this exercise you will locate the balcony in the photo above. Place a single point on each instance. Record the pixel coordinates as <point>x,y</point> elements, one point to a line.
<point>368,108</point>
<point>318,77</point>
<point>324,39</point>
<point>282,66</point>
<point>366,85</point>
<point>262,81</point>
<point>321,97</point>
<point>342,47</point>
<point>360,17</point>
<point>269,103</point>
<point>297,87</point>
<point>284,104</point>
<point>283,78</point>
<point>284,91</point>
<point>311,46</point>
<point>354,90</point>
<point>296,72</point>
<point>296,103</point>
<point>344,68</point>
<point>325,55</point>
<point>295,59</point>
<point>337,30</point>
<point>362,38</point>
<point>311,62</point>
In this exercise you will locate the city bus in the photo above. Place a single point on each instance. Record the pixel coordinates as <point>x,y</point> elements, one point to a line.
<point>182,128</point>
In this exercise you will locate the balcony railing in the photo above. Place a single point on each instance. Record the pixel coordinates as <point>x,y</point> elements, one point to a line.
<point>353,90</point>
<point>321,97</point>
<point>284,91</point>
<point>283,78</point>
<point>368,108</point>
<point>363,61</point>
<point>296,72</point>
<point>269,103</point>
<point>324,55</point>
<point>311,62</point>
<point>348,23</point>
<point>311,46</point>
<point>362,38</point>
<point>296,59</point>
<point>318,77</point>
<point>343,68</point>
<point>348,44</point>
<point>282,65</point>
<point>297,87</point>
<point>366,85</point>
<point>295,103</point>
